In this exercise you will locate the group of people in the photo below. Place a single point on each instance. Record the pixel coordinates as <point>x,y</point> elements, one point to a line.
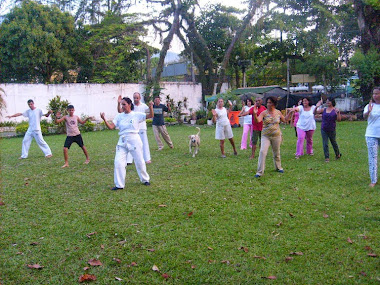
<point>260,123</point>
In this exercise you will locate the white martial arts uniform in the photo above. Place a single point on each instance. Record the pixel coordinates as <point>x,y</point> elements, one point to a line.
<point>34,131</point>
<point>142,108</point>
<point>129,142</point>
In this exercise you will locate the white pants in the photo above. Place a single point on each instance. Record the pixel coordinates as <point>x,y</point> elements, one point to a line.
<point>129,144</point>
<point>145,146</point>
<point>37,135</point>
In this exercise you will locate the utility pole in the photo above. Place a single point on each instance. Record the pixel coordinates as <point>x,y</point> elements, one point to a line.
<point>287,81</point>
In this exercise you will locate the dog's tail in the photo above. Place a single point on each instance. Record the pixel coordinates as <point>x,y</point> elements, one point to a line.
<point>199,130</point>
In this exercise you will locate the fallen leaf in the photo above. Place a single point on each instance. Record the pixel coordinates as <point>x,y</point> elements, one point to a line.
<point>211,261</point>
<point>349,240</point>
<point>133,264</point>
<point>26,179</point>
<point>118,279</point>
<point>225,261</point>
<point>372,254</point>
<point>259,257</point>
<point>210,248</point>
<point>19,253</point>
<point>325,215</point>
<point>86,278</point>
<point>27,184</point>
<point>193,267</point>
<point>102,246</point>
<point>162,205</point>
<point>188,261</point>
<point>155,268</point>
<point>165,275</point>
<point>271,277</point>
<point>279,224</point>
<point>90,234</point>
<point>367,248</point>
<point>244,248</point>
<point>34,266</point>
<point>291,215</point>
<point>151,249</point>
<point>288,258</point>
<point>86,268</point>
<point>363,236</point>
<point>296,253</point>
<point>95,262</point>
<point>116,259</point>
<point>190,214</point>
<point>122,242</point>
<point>34,243</point>
<point>2,203</point>
<point>363,273</point>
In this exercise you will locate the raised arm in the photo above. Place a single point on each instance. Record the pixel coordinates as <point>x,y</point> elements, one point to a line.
<point>169,107</point>
<point>318,110</point>
<point>214,115</point>
<point>151,114</point>
<point>338,115</point>
<point>59,118</point>
<point>48,113</point>
<point>109,125</point>
<point>370,106</point>
<point>85,120</point>
<point>258,118</point>
<point>15,115</point>
<point>230,107</point>
<point>119,110</point>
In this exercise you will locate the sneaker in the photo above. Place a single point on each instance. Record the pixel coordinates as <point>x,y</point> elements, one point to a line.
<point>147,183</point>
<point>257,176</point>
<point>116,188</point>
<point>280,170</point>
<point>327,160</point>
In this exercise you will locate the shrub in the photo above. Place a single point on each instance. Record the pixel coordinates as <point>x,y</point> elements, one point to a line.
<point>148,122</point>
<point>58,105</point>
<point>45,127</point>
<point>87,127</point>
<point>201,113</point>
<point>170,120</point>
<point>8,124</point>
<point>22,127</point>
<point>202,121</point>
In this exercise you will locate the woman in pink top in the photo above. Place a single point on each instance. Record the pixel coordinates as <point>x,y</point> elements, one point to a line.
<point>73,133</point>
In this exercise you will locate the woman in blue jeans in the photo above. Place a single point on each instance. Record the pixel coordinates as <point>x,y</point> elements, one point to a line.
<point>330,115</point>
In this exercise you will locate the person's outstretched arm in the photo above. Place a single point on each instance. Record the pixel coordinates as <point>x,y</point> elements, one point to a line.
<point>15,115</point>
<point>109,125</point>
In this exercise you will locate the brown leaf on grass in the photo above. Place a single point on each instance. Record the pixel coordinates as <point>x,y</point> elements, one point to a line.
<point>86,268</point>
<point>165,276</point>
<point>95,262</point>
<point>211,261</point>
<point>26,183</point>
<point>279,224</point>
<point>2,203</point>
<point>244,248</point>
<point>102,246</point>
<point>19,253</point>
<point>296,253</point>
<point>26,179</point>
<point>34,243</point>
<point>87,278</point>
<point>363,273</point>
<point>190,214</point>
<point>133,263</point>
<point>155,268</point>
<point>288,258</point>
<point>363,236</point>
<point>118,279</point>
<point>291,215</point>
<point>349,240</point>
<point>116,259</point>
<point>271,277</point>
<point>162,206</point>
<point>188,261</point>
<point>259,257</point>
<point>193,267</point>
<point>91,234</point>
<point>122,242</point>
<point>34,266</point>
<point>225,261</point>
<point>151,249</point>
<point>210,248</point>
<point>372,254</point>
<point>367,248</point>
<point>325,215</point>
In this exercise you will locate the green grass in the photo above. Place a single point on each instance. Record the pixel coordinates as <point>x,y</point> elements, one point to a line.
<point>329,203</point>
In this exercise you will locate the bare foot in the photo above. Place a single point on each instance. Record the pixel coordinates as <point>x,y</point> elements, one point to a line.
<point>148,162</point>
<point>21,157</point>
<point>87,161</point>
<point>65,165</point>
<point>48,156</point>
<point>252,157</point>
<point>372,185</point>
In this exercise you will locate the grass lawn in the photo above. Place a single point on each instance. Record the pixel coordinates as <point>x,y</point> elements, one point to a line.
<point>204,220</point>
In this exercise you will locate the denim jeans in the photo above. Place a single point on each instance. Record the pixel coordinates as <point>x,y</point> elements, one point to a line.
<point>325,141</point>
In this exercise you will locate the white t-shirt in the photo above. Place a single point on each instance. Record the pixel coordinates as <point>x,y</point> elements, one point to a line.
<point>248,118</point>
<point>142,108</point>
<point>222,117</point>
<point>34,119</point>
<point>128,123</point>
<point>306,121</point>
<point>373,127</point>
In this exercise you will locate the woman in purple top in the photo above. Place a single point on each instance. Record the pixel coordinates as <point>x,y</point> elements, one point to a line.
<point>330,115</point>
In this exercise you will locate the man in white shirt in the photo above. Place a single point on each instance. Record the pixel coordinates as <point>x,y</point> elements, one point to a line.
<point>34,131</point>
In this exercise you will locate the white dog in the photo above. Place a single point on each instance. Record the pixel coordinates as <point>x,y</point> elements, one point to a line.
<point>195,142</point>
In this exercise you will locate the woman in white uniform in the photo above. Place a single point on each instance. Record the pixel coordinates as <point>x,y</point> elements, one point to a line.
<point>129,142</point>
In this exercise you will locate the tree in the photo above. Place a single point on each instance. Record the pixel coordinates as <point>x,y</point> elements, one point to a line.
<point>35,41</point>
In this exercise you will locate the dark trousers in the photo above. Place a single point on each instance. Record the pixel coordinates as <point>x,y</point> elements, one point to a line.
<point>325,139</point>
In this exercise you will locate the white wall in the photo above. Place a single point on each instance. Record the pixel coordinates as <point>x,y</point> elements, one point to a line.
<point>90,99</point>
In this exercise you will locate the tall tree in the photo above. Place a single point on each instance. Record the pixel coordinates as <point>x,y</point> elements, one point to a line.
<point>35,42</point>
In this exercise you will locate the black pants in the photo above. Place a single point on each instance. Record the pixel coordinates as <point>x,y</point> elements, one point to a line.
<point>325,138</point>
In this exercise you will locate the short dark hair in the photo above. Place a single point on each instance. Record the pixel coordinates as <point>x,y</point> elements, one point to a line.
<point>70,107</point>
<point>273,100</point>
<point>308,99</point>
<point>30,101</point>
<point>250,100</point>
<point>332,100</point>
<point>129,102</point>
